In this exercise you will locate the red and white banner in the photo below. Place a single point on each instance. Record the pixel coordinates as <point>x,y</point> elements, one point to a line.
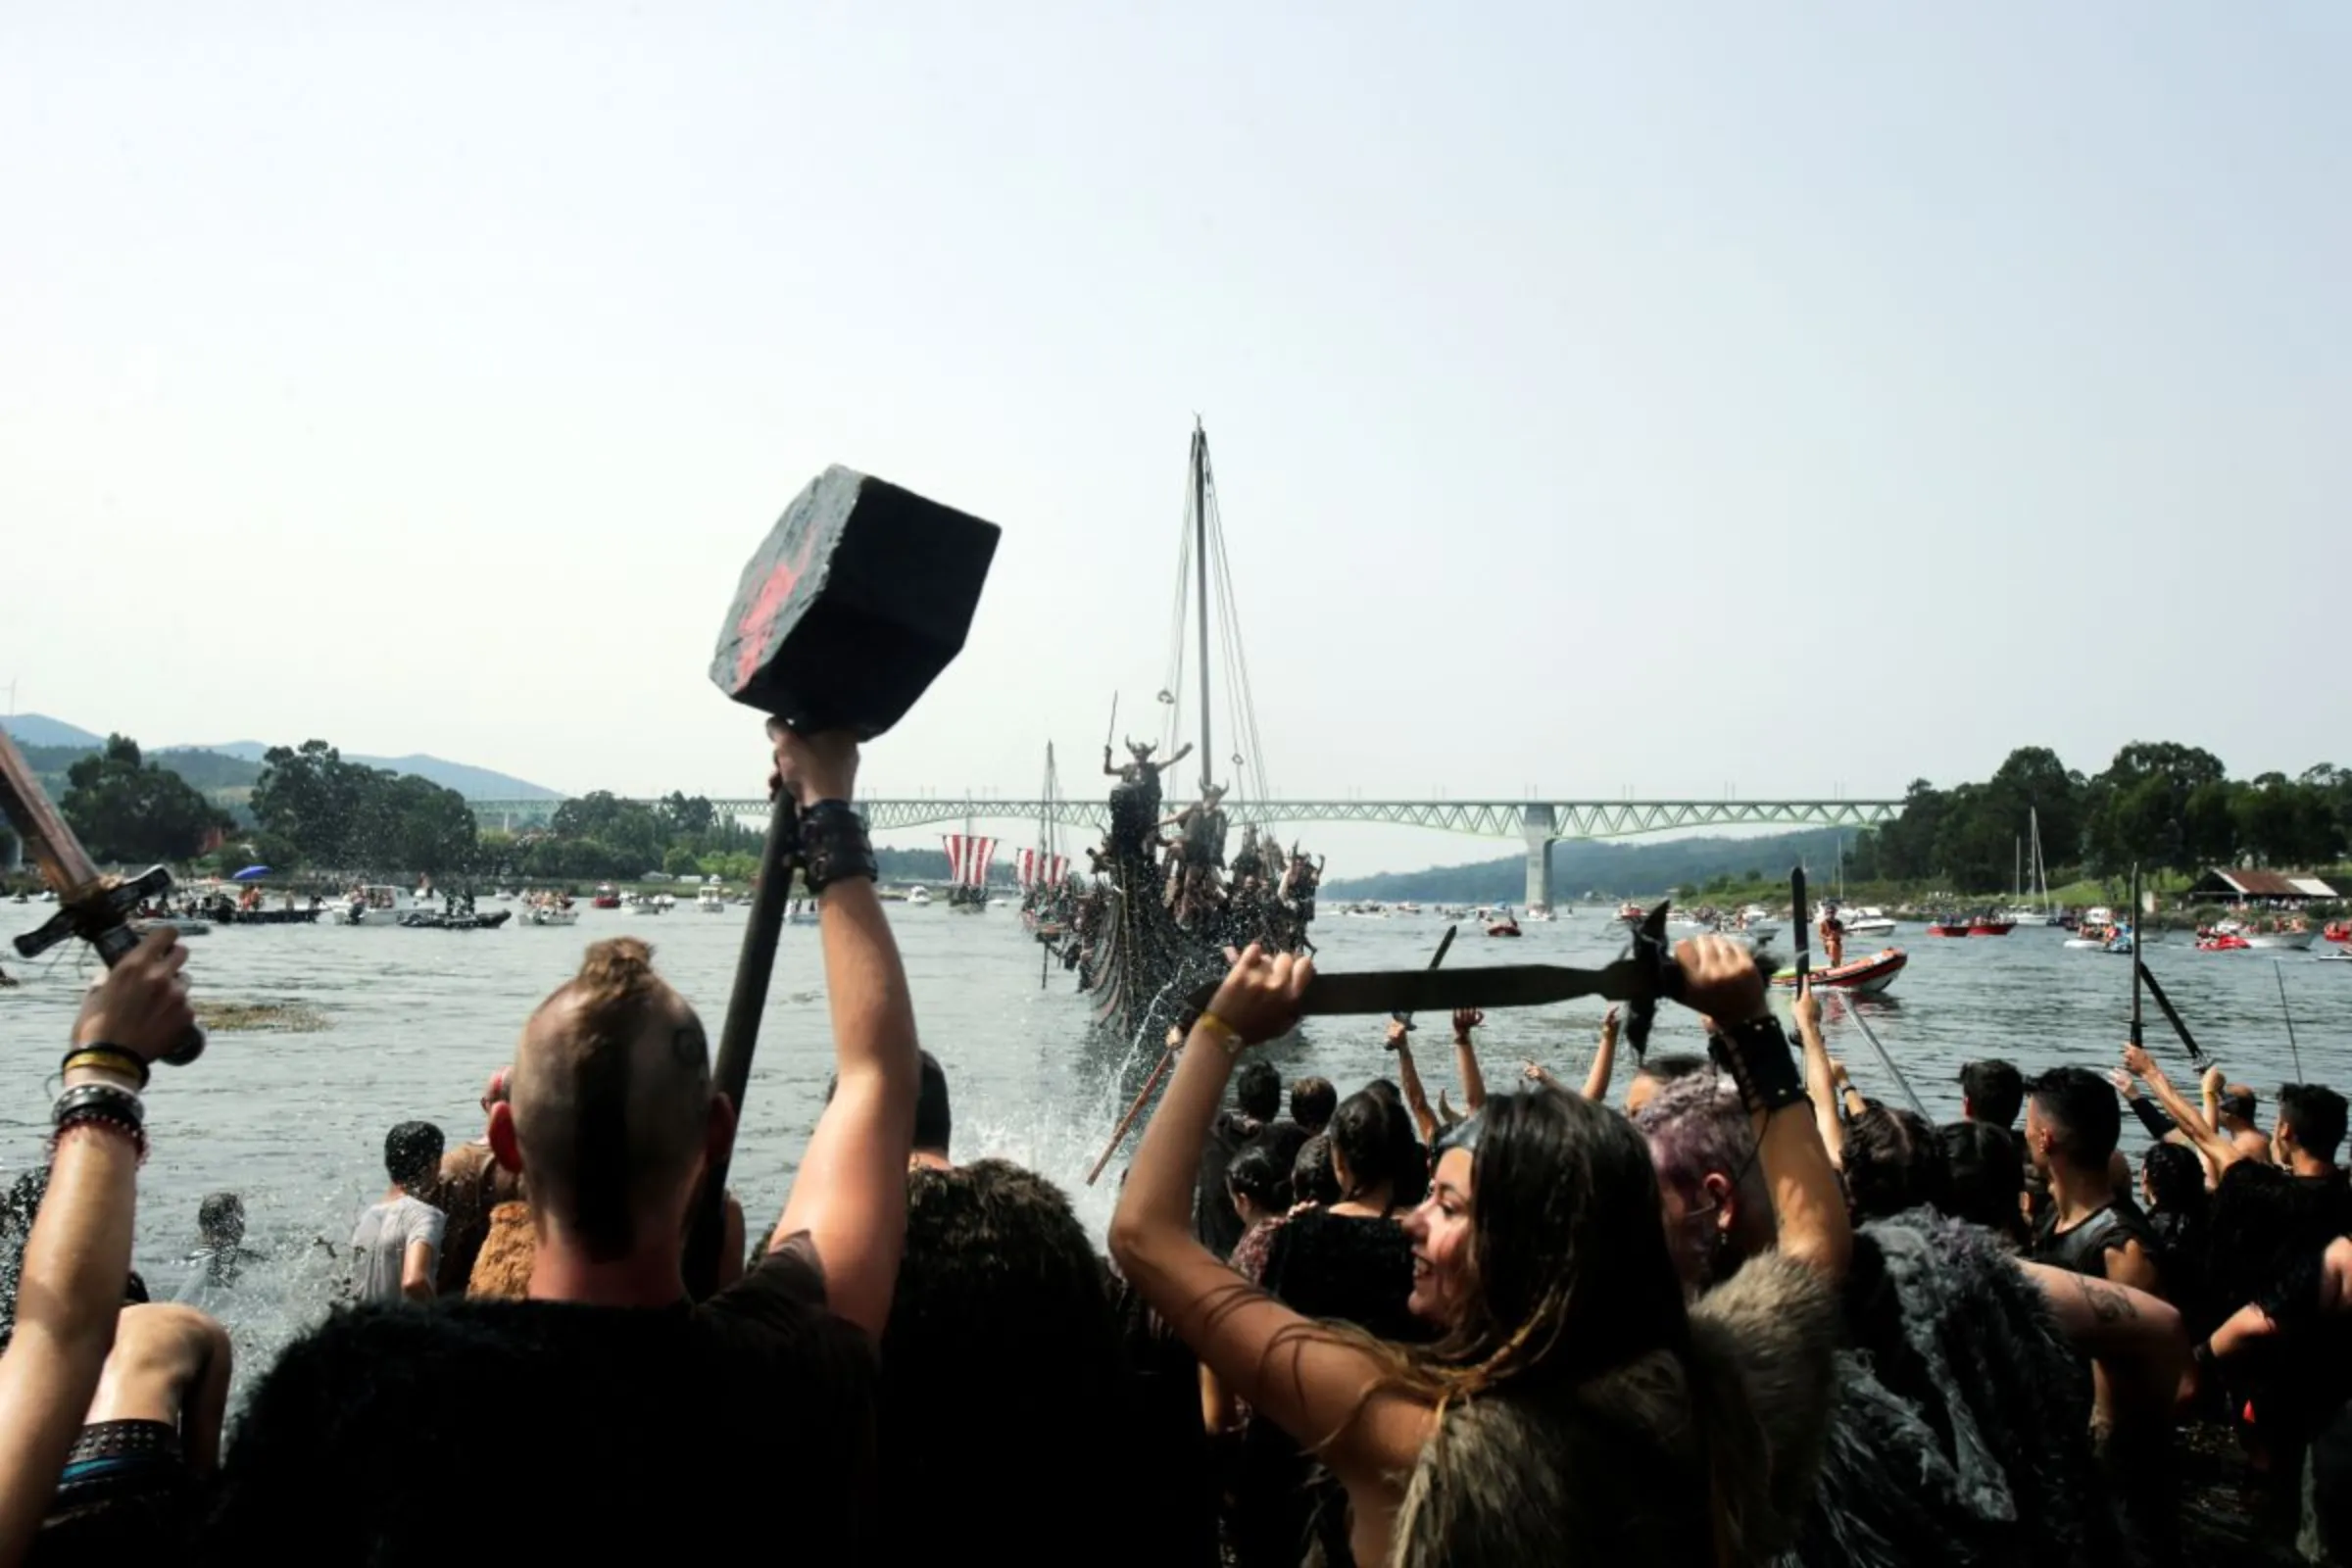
<point>1037,866</point>
<point>969,858</point>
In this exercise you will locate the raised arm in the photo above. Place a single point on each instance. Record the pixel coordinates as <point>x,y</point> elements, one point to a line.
<point>849,1194</point>
<point>1306,1381</point>
<point>1408,1079</point>
<point>1605,1059</point>
<point>2219,1151</point>
<point>78,1257</point>
<point>1465,1057</point>
<point>1721,980</point>
<point>1821,1078</point>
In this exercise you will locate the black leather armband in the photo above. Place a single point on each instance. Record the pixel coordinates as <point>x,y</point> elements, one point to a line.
<point>1757,1057</point>
<point>834,847</point>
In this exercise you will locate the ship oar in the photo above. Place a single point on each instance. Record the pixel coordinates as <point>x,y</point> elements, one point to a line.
<point>2279,972</point>
<point>1887,1060</point>
<point>1166,1058</point>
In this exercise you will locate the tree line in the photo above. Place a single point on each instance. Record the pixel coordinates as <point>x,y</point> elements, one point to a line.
<point>2157,804</point>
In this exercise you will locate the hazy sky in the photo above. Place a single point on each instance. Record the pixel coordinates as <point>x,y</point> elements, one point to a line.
<point>1793,397</point>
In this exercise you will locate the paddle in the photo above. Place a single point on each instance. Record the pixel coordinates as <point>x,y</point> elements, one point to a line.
<point>1168,1059</point>
<point>1445,945</point>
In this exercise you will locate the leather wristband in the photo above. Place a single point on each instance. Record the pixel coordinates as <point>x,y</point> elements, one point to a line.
<point>834,847</point>
<point>104,1105</point>
<point>106,1099</point>
<point>1756,1055</point>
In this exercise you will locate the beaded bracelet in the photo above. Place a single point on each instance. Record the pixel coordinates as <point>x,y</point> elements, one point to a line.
<point>104,1105</point>
<point>107,1121</point>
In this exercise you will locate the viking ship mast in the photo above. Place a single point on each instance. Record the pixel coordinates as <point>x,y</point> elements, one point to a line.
<point>1207,620</point>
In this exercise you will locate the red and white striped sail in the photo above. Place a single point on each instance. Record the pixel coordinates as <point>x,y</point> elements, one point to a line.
<point>1037,866</point>
<point>968,858</point>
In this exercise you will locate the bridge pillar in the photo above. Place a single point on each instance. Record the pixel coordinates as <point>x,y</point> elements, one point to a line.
<point>1537,827</point>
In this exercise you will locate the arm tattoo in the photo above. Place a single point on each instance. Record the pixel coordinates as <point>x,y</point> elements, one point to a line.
<point>2107,1303</point>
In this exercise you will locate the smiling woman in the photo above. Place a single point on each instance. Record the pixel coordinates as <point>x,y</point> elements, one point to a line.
<point>1583,1408</point>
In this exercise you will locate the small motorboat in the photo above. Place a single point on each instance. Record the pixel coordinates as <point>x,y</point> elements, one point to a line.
<point>710,901</point>
<point>2338,931</point>
<point>1991,925</point>
<point>608,896</point>
<point>1867,922</point>
<point>1864,977</point>
<point>2223,942</point>
<point>803,911</point>
<point>918,896</point>
<point>552,914</point>
<point>1947,926</point>
<point>427,920</point>
<point>1539,912</point>
<point>2286,940</point>
<point>182,924</point>
<point>1503,928</point>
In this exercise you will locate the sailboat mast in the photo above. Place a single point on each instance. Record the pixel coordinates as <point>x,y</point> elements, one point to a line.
<point>1201,568</point>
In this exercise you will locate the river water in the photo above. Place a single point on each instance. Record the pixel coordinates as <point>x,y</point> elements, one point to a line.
<point>416,1020</point>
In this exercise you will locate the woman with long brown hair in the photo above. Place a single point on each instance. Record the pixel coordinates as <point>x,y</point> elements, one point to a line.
<point>1575,1410</point>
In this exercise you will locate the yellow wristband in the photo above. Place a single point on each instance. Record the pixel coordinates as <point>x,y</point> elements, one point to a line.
<point>1227,1035</point>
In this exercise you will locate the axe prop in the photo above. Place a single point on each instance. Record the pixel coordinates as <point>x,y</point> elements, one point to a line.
<point>90,907</point>
<point>860,596</point>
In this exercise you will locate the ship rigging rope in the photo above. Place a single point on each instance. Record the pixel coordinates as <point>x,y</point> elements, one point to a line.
<point>1246,779</point>
<point>1172,689</point>
<point>1249,778</point>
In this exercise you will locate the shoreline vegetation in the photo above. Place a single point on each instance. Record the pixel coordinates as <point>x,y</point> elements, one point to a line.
<point>2171,808</point>
<point>322,822</point>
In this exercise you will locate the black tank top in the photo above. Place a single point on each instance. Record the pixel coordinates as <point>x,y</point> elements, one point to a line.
<point>2083,1249</point>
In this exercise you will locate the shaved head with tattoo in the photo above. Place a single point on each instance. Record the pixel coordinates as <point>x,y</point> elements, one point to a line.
<point>610,1114</point>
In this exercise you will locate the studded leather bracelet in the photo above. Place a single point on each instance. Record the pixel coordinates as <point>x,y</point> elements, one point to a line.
<point>103,1105</point>
<point>1756,1055</point>
<point>834,847</point>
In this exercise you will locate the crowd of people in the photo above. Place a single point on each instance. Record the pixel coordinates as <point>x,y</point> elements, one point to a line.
<point>1743,1316</point>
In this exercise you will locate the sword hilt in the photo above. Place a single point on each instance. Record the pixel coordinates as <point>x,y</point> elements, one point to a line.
<point>102,919</point>
<point>1652,952</point>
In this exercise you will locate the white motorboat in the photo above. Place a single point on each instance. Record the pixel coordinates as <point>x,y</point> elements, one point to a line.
<point>710,901</point>
<point>1537,912</point>
<point>920,896</point>
<point>1757,922</point>
<point>375,904</point>
<point>552,914</point>
<point>2283,941</point>
<point>803,911</point>
<point>1866,921</point>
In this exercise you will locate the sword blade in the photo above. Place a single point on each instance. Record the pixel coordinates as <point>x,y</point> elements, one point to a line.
<point>2164,1004</point>
<point>64,865</point>
<point>1802,918</point>
<point>1444,946</point>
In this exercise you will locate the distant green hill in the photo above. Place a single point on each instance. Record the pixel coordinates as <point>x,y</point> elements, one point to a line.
<point>39,729</point>
<point>1614,871</point>
<point>234,766</point>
